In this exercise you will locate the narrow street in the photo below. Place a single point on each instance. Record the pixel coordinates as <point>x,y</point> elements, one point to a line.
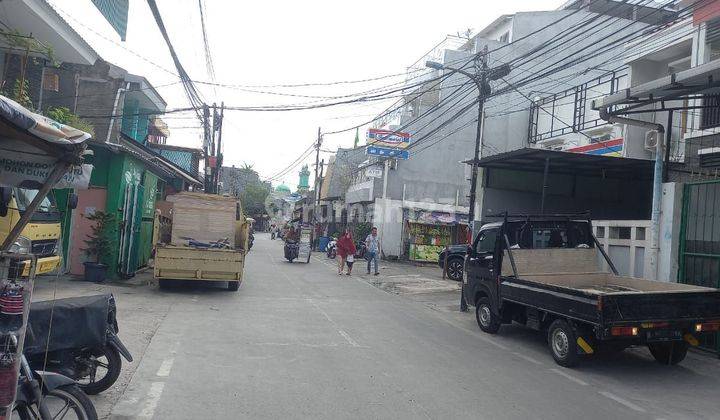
<point>298,341</point>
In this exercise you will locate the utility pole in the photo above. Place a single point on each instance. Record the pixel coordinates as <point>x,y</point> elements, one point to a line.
<point>481,78</point>
<point>481,82</point>
<point>206,146</point>
<point>219,146</point>
<point>317,174</point>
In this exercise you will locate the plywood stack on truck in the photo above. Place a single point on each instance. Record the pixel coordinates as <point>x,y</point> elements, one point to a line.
<point>204,218</point>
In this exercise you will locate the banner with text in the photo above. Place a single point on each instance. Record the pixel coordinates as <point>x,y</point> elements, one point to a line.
<point>30,171</point>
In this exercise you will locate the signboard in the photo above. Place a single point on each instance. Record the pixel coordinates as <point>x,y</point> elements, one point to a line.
<point>612,147</point>
<point>31,170</point>
<point>388,143</point>
<point>381,151</point>
<point>374,172</point>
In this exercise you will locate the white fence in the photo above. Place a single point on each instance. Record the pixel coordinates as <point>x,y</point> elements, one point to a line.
<point>627,242</point>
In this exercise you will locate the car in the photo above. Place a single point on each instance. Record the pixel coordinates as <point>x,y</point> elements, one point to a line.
<point>455,260</point>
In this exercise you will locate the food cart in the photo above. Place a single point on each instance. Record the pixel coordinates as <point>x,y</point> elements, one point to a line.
<point>36,153</point>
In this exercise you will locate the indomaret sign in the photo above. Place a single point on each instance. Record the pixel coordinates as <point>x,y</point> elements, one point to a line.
<point>388,143</point>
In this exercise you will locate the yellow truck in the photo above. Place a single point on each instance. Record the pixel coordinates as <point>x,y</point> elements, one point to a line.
<point>208,240</point>
<point>41,236</point>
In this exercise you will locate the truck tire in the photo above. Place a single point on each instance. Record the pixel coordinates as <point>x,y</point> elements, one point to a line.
<point>669,353</point>
<point>233,286</point>
<point>562,341</point>
<point>164,284</point>
<point>487,320</point>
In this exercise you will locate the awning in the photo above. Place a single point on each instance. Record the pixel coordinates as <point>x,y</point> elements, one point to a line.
<point>534,160</point>
<point>32,145</point>
<point>703,79</point>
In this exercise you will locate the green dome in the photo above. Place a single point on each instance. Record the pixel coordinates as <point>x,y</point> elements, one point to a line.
<point>282,188</point>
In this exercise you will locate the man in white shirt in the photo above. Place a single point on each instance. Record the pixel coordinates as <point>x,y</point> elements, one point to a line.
<point>372,242</point>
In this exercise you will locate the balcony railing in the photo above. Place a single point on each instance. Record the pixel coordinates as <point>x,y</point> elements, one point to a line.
<point>550,116</point>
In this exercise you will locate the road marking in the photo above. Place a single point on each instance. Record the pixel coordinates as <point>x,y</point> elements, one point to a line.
<point>154,394</point>
<point>345,335</point>
<point>528,358</point>
<point>570,377</point>
<point>622,401</point>
<point>165,367</point>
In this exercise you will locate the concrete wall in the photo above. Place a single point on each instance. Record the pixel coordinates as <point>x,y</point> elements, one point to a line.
<point>672,197</point>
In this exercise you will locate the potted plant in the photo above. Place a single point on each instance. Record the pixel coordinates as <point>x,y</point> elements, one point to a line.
<point>98,246</point>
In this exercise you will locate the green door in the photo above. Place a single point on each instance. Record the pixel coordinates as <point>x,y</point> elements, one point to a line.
<point>130,231</point>
<point>699,259</point>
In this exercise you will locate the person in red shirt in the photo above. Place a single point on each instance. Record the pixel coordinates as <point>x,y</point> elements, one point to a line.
<point>345,248</point>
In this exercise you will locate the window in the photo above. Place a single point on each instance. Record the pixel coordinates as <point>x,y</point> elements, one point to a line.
<point>51,81</point>
<point>486,241</point>
<point>504,37</point>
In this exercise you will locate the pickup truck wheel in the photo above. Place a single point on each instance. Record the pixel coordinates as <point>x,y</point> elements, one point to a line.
<point>455,269</point>
<point>563,343</point>
<point>233,286</point>
<point>669,353</point>
<point>487,320</point>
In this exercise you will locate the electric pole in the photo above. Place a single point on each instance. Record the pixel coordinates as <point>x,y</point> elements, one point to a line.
<point>317,174</point>
<point>219,153</point>
<point>206,146</point>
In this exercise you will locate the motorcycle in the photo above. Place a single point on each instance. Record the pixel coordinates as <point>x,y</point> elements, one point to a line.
<point>251,240</point>
<point>292,250</point>
<point>272,235</point>
<point>79,337</point>
<point>42,395</point>
<point>332,249</point>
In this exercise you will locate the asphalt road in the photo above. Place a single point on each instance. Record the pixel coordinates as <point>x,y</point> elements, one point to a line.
<point>298,341</point>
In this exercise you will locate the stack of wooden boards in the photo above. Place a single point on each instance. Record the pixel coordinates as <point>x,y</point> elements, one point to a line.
<point>203,217</point>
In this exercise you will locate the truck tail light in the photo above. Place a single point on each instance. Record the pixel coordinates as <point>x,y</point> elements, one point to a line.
<point>624,331</point>
<point>708,326</point>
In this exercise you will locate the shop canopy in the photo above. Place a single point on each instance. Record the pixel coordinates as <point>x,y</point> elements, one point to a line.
<point>568,163</point>
<point>34,148</point>
<point>687,84</point>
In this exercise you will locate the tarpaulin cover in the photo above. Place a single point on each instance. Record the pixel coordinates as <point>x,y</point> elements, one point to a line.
<point>76,322</point>
<point>40,125</point>
<point>23,163</point>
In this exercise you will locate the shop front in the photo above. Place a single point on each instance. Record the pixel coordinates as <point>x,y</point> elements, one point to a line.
<point>426,233</point>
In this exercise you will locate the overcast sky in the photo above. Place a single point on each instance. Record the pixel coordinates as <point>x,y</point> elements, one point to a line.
<point>281,42</point>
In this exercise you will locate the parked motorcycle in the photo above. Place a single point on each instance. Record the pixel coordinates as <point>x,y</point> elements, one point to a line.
<point>332,248</point>
<point>292,249</point>
<point>42,395</point>
<point>80,337</point>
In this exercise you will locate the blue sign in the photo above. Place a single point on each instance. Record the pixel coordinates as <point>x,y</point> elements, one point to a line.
<point>384,151</point>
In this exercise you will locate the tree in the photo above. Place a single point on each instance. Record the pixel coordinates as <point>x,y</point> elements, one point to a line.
<point>253,198</point>
<point>65,116</point>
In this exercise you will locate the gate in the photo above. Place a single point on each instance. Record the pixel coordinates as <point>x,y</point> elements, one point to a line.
<point>699,257</point>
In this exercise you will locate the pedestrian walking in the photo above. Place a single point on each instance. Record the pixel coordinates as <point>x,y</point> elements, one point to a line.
<point>372,243</point>
<point>345,248</point>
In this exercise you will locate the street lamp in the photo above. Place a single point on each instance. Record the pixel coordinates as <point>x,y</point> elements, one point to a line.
<point>480,78</point>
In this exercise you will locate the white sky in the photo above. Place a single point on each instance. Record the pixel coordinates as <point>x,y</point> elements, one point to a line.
<point>281,42</point>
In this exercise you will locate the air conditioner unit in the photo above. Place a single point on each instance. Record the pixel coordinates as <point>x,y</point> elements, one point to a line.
<point>651,140</point>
